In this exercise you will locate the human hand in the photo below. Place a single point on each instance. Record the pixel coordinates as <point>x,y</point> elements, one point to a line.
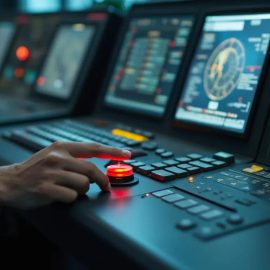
<point>56,173</point>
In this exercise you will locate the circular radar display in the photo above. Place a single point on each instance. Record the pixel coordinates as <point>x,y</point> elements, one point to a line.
<point>224,68</point>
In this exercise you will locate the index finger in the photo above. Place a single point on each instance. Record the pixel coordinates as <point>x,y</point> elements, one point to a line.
<point>88,150</point>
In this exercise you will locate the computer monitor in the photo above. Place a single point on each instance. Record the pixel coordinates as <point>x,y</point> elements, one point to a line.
<point>7,31</point>
<point>64,60</point>
<point>148,63</point>
<point>224,76</point>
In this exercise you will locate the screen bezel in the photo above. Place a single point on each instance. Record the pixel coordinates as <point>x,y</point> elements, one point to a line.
<point>199,127</point>
<point>150,10</point>
<point>87,57</point>
<point>11,41</point>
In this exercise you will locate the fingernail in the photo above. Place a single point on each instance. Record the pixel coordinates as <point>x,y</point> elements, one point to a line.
<point>126,153</point>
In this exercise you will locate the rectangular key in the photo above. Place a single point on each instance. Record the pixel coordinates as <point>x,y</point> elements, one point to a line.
<point>170,162</point>
<point>203,165</point>
<point>173,198</point>
<point>162,175</point>
<point>145,169</point>
<point>162,193</point>
<point>177,171</point>
<point>159,165</point>
<point>186,203</point>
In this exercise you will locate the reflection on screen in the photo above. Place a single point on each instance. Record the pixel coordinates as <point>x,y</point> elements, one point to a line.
<point>148,63</point>
<point>225,72</point>
<point>63,63</point>
<point>7,31</point>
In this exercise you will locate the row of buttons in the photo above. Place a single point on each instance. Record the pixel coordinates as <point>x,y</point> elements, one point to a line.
<point>243,182</point>
<point>176,168</point>
<point>203,211</point>
<point>100,133</point>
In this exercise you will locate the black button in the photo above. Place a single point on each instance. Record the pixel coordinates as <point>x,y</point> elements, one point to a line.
<point>132,143</point>
<point>159,165</point>
<point>227,157</point>
<point>185,224</point>
<point>204,233</point>
<point>160,151</point>
<point>162,193</point>
<point>244,202</point>
<point>166,154</point>
<point>208,160</point>
<point>150,146</point>
<point>145,169</point>
<point>184,166</point>
<point>219,163</point>
<point>194,156</point>
<point>179,172</point>
<point>204,166</point>
<point>183,159</point>
<point>198,209</point>
<point>138,164</point>
<point>170,162</point>
<point>186,203</point>
<point>148,134</point>
<point>130,161</point>
<point>193,170</point>
<point>212,214</point>
<point>235,219</point>
<point>162,175</point>
<point>173,198</point>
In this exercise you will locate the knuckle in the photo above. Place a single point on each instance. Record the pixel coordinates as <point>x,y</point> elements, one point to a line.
<point>58,145</point>
<point>53,159</point>
<point>72,197</point>
<point>96,146</point>
<point>42,190</point>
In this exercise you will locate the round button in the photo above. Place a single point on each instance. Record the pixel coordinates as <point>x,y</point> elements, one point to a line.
<point>121,175</point>
<point>235,219</point>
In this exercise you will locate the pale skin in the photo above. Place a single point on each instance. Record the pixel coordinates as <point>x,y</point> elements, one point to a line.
<point>58,173</point>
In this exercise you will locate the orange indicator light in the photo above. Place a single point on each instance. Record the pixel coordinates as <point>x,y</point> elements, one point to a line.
<point>119,170</point>
<point>22,53</point>
<point>190,179</point>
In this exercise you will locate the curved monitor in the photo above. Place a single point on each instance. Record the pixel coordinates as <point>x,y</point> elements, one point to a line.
<point>64,60</point>
<point>7,31</point>
<point>224,76</point>
<point>148,63</point>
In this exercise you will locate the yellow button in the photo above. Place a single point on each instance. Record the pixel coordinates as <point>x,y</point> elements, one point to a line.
<point>129,135</point>
<point>254,168</point>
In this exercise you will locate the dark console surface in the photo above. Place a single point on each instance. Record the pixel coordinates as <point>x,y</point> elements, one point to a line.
<point>190,197</point>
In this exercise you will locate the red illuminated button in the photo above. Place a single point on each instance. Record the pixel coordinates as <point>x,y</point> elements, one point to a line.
<point>22,53</point>
<point>120,173</point>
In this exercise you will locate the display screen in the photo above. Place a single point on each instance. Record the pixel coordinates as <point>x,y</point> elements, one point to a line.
<point>7,31</point>
<point>64,60</point>
<point>223,78</point>
<point>148,63</point>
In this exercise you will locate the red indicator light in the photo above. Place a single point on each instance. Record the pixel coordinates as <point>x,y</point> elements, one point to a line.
<point>19,72</point>
<point>119,170</point>
<point>96,16</point>
<point>40,81</point>
<point>22,53</point>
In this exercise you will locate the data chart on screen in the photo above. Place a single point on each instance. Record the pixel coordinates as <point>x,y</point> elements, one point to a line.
<point>225,72</point>
<point>148,63</point>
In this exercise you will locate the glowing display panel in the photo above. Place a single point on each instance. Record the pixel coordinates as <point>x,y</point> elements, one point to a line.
<point>7,31</point>
<point>148,63</point>
<point>225,72</point>
<point>64,60</point>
